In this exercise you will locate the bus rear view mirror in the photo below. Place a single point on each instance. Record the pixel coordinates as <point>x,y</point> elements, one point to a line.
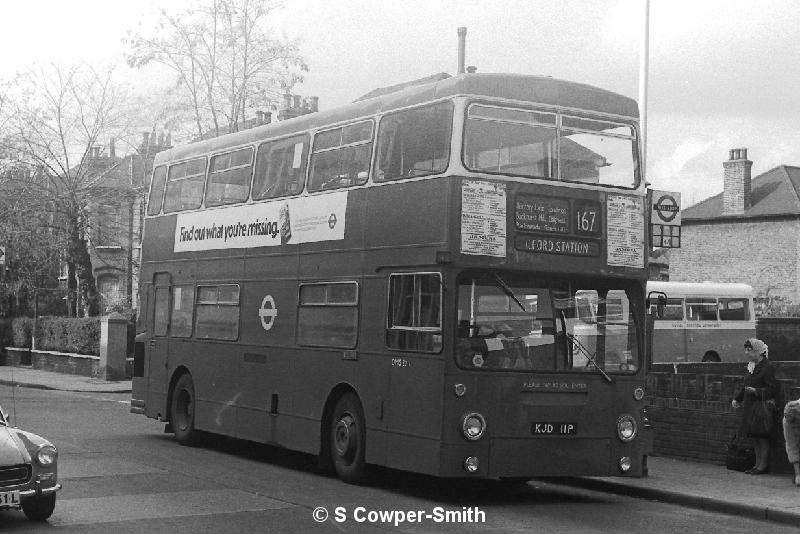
<point>659,302</point>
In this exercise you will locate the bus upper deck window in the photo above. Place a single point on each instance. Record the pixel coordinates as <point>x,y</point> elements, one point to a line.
<point>414,142</point>
<point>510,141</point>
<point>157,191</point>
<point>280,168</point>
<point>597,152</point>
<point>185,183</point>
<point>229,177</point>
<point>341,157</point>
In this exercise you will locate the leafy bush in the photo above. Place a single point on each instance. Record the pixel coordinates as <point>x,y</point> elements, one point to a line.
<point>78,336</point>
<point>21,329</point>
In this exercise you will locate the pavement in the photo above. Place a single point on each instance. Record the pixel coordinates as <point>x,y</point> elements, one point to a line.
<point>34,378</point>
<point>698,485</point>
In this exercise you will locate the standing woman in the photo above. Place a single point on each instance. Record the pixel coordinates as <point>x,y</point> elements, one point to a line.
<point>760,386</point>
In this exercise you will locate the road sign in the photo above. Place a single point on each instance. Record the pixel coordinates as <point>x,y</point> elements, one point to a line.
<point>666,208</point>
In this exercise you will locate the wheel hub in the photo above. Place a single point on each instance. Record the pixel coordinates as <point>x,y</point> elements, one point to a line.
<point>341,436</point>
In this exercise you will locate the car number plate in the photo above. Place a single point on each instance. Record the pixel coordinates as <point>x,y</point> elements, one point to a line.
<point>554,429</point>
<point>9,498</point>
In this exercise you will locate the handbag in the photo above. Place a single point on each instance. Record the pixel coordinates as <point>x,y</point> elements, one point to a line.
<point>739,457</point>
<point>761,421</point>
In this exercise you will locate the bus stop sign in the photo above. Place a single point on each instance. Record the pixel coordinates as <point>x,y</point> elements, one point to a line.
<point>666,208</point>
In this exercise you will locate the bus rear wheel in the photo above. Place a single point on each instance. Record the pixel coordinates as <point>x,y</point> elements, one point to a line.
<point>182,411</point>
<point>348,439</point>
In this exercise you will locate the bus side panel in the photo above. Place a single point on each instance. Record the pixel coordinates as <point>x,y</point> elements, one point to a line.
<point>726,338</point>
<point>414,415</point>
<point>215,371</point>
<point>268,315</point>
<point>669,343</point>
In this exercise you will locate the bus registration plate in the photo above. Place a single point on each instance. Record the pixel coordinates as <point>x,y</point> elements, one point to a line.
<point>553,429</point>
<point>9,498</point>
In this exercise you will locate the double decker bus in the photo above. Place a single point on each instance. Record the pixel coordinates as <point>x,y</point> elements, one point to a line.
<point>398,281</point>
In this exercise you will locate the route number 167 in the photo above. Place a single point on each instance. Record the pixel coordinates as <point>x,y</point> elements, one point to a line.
<point>587,221</point>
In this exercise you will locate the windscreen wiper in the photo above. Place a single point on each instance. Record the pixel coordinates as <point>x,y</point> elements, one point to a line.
<point>508,291</point>
<point>589,356</point>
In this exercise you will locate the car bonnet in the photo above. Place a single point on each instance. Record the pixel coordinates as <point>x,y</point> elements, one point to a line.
<point>10,453</point>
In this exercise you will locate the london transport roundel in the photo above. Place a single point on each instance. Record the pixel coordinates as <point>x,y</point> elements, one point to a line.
<point>268,312</point>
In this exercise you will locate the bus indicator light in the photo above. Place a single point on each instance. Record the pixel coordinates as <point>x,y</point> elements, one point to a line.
<point>638,393</point>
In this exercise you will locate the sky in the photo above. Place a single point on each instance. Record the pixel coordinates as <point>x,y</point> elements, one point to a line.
<point>723,74</point>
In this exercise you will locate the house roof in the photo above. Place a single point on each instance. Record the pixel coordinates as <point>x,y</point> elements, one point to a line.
<point>775,193</point>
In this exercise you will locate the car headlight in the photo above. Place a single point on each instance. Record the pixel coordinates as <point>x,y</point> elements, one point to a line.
<point>473,426</point>
<point>626,428</point>
<point>46,455</point>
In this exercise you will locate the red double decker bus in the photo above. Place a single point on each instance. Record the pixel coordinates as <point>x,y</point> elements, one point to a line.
<point>399,282</point>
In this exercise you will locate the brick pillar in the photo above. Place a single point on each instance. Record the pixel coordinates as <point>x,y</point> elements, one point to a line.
<point>113,346</point>
<point>736,196</point>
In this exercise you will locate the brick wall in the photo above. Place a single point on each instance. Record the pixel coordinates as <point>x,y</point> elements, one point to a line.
<point>762,253</point>
<point>691,414</point>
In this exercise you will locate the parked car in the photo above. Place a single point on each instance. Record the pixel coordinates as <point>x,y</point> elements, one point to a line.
<point>28,472</point>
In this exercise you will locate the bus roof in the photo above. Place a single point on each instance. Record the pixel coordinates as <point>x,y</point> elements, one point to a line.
<point>700,289</point>
<point>525,88</point>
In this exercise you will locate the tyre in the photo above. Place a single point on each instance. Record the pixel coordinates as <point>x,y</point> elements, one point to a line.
<point>182,411</point>
<point>348,439</point>
<point>39,508</point>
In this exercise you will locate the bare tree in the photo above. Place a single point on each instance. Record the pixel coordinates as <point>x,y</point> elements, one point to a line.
<point>54,119</point>
<point>224,57</point>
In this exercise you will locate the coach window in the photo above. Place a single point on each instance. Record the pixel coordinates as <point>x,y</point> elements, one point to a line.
<point>157,191</point>
<point>280,168</point>
<point>701,309</point>
<point>328,315</point>
<point>185,185</point>
<point>229,177</point>
<point>415,312</point>
<point>182,311</point>
<point>217,312</point>
<point>734,310</point>
<point>341,157</point>
<point>672,311</point>
<point>414,143</point>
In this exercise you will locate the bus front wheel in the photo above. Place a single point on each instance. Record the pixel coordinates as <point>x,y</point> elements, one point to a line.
<point>348,439</point>
<point>182,411</point>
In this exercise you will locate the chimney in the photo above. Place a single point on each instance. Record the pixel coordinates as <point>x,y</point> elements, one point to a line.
<point>161,139</point>
<point>298,101</point>
<point>462,47</point>
<point>145,141</point>
<point>111,149</point>
<point>314,101</point>
<point>168,141</point>
<point>736,196</point>
<point>267,117</point>
<point>472,70</point>
<point>287,100</point>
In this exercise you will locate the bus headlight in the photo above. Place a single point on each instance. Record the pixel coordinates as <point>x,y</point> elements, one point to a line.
<point>473,426</point>
<point>626,428</point>
<point>46,455</point>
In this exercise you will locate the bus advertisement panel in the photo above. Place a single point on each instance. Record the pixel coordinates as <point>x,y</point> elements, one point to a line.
<point>404,282</point>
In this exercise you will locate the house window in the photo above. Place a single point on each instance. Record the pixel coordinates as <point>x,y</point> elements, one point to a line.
<point>328,315</point>
<point>341,157</point>
<point>229,177</point>
<point>110,226</point>
<point>280,168</point>
<point>415,312</point>
<point>217,312</point>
